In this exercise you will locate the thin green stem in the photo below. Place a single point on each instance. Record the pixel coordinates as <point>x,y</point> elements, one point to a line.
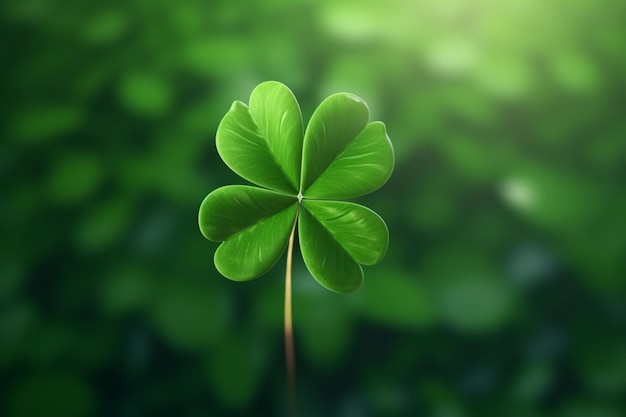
<point>290,358</point>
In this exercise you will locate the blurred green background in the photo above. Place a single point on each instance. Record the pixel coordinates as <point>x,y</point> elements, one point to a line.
<point>503,292</point>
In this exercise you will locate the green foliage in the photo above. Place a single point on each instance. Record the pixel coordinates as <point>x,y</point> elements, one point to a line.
<point>52,391</point>
<point>340,155</point>
<point>501,293</point>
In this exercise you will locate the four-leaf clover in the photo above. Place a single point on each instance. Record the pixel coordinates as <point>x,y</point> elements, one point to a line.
<point>301,178</point>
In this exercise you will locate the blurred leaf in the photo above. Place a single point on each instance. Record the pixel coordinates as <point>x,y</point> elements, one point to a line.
<point>51,394</point>
<point>125,290</point>
<point>268,305</point>
<point>52,343</point>
<point>74,177</point>
<point>478,161</point>
<point>169,168</point>
<point>104,225</point>
<point>349,22</point>
<point>441,399</point>
<point>95,346</point>
<point>189,315</point>
<point>603,366</point>
<point>91,81</point>
<point>421,120</point>
<point>318,313</point>
<point>582,408</point>
<point>386,397</point>
<point>601,263</point>
<point>105,26</point>
<point>555,199</point>
<point>397,299</point>
<point>531,264</point>
<point>609,150</point>
<point>532,383</point>
<point>17,323</point>
<point>29,10</point>
<point>201,117</point>
<point>476,303</point>
<point>351,73</point>
<point>14,273</point>
<point>146,94</point>
<point>433,207</point>
<point>452,57</point>
<point>155,230</point>
<point>215,56</point>
<point>42,123</point>
<point>575,71</point>
<point>235,371</point>
<point>469,104</point>
<point>506,76</point>
<point>470,295</point>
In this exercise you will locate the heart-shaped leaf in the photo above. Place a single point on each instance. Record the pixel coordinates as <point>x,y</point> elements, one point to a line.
<point>254,225</point>
<point>263,142</point>
<point>344,157</point>
<point>337,236</point>
<point>339,156</point>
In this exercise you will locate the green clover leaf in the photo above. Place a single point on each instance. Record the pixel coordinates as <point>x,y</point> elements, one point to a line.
<point>301,178</point>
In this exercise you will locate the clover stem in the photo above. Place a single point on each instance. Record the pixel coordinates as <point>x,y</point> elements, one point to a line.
<point>289,349</point>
